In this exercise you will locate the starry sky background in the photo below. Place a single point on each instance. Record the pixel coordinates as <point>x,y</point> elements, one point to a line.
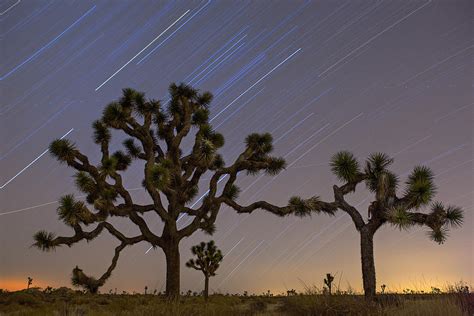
<point>321,76</point>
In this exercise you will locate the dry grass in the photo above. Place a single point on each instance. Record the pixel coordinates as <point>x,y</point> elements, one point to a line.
<point>67,302</point>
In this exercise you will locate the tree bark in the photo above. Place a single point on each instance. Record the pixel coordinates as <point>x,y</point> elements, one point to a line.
<point>368,265</point>
<point>206,287</point>
<point>172,271</point>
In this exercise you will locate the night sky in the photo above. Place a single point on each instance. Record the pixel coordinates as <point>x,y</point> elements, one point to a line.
<point>321,76</point>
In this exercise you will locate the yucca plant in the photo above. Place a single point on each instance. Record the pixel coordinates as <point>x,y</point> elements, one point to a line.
<point>401,211</point>
<point>208,259</point>
<point>30,281</point>
<point>328,282</point>
<point>155,137</point>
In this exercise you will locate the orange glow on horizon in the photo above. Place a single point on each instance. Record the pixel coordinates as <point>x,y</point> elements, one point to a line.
<point>21,284</point>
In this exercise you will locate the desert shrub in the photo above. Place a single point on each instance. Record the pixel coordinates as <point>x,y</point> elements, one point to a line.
<point>389,300</point>
<point>258,305</point>
<point>25,298</point>
<point>327,305</point>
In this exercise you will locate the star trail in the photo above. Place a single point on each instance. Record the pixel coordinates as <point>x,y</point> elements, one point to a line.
<point>321,76</point>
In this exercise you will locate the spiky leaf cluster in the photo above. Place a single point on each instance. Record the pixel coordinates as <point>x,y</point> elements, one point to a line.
<point>302,207</point>
<point>63,150</point>
<point>400,218</point>
<point>420,187</point>
<point>259,144</point>
<point>85,183</point>
<point>208,227</point>
<point>133,150</point>
<point>345,166</point>
<point>101,132</point>
<point>73,212</point>
<point>375,166</point>
<point>454,216</point>
<point>114,114</point>
<point>232,192</point>
<point>44,240</point>
<point>122,161</point>
<point>439,234</point>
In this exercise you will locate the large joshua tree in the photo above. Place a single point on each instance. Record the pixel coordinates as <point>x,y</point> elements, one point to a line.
<point>208,259</point>
<point>388,207</point>
<point>171,176</point>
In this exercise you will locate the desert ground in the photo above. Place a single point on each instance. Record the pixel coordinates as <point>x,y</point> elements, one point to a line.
<point>64,301</point>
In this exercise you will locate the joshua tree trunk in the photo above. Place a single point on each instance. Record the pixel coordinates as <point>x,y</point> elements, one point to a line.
<point>172,270</point>
<point>206,287</point>
<point>368,265</point>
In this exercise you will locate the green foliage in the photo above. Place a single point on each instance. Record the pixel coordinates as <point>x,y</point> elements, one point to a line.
<point>400,218</point>
<point>438,235</point>
<point>420,186</point>
<point>44,240</point>
<point>208,227</point>
<point>114,115</point>
<point>182,90</point>
<point>275,165</point>
<point>131,98</point>
<point>160,175</point>
<point>232,193</point>
<point>260,144</point>
<point>159,117</point>
<point>84,182</point>
<point>217,162</point>
<point>101,132</point>
<point>454,216</point>
<point>376,165</point>
<point>303,207</point>
<point>451,215</point>
<point>109,165</point>
<point>122,160</point>
<point>345,166</point>
<point>62,149</point>
<point>217,140</point>
<point>205,99</point>
<point>200,117</point>
<point>132,149</point>
<point>191,193</point>
<point>73,212</point>
<point>208,151</point>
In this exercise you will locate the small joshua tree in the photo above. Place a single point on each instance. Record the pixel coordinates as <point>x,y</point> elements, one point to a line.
<point>382,287</point>
<point>388,207</point>
<point>30,281</point>
<point>146,289</point>
<point>208,260</point>
<point>328,282</point>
